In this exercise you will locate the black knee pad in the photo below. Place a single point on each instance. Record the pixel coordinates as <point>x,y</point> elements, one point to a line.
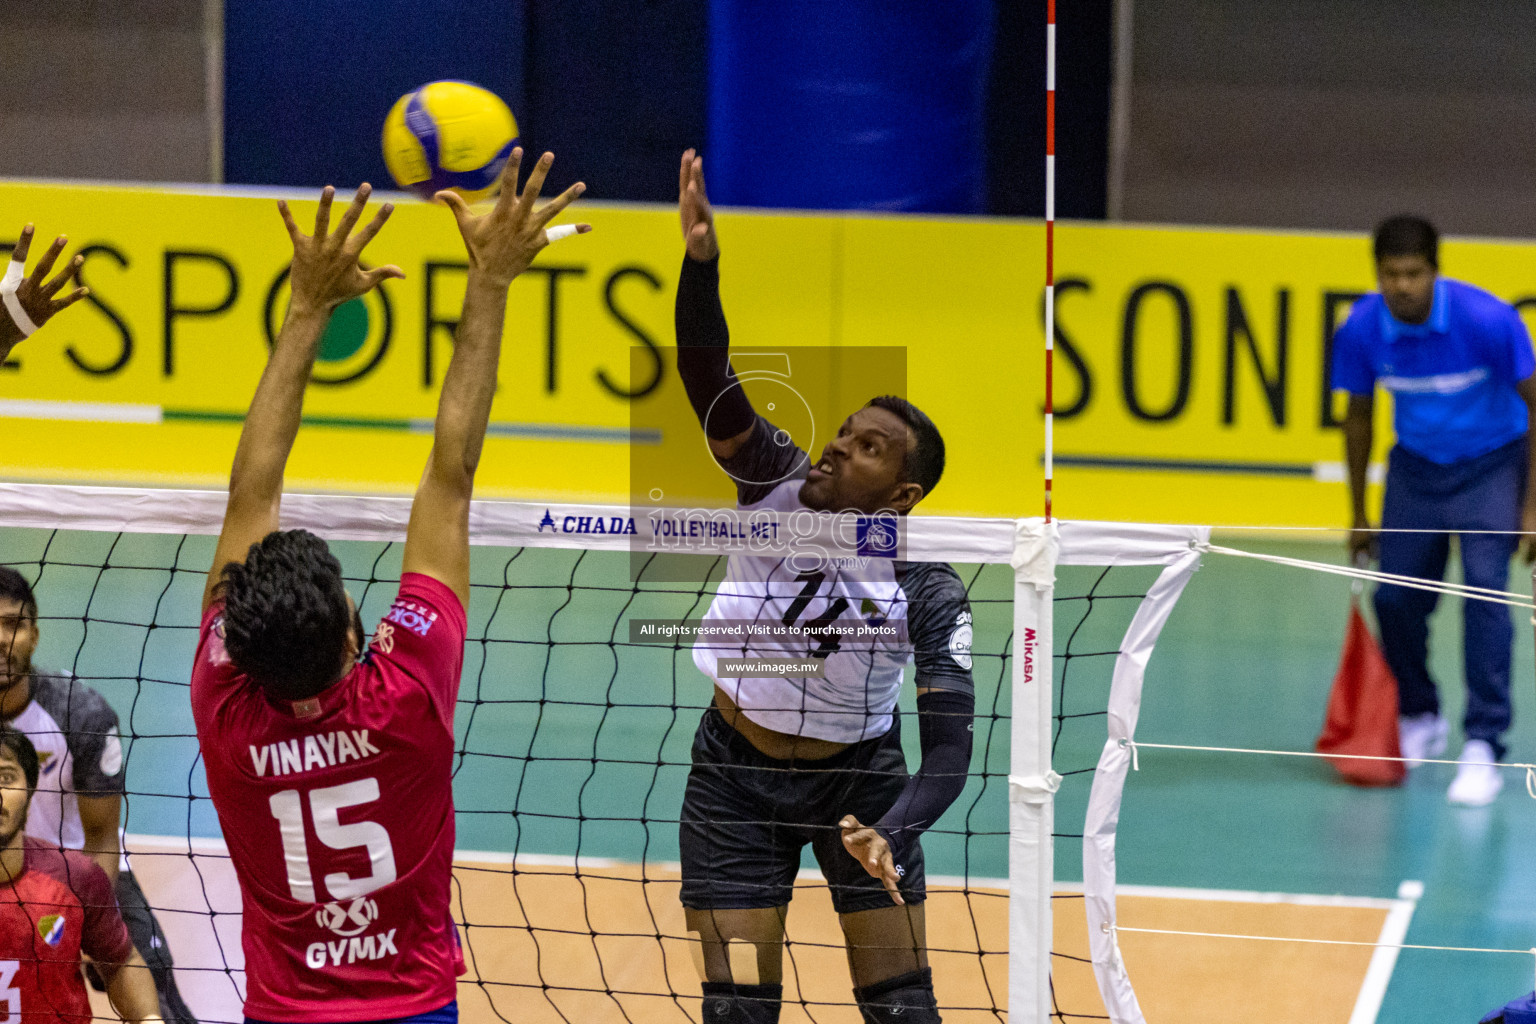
<point>725,1003</point>
<point>904,999</point>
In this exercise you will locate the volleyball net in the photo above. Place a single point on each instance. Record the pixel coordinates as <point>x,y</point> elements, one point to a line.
<point>574,736</point>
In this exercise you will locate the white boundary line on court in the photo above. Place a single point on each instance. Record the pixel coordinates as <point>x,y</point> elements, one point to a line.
<point>1394,929</point>
<point>1384,960</point>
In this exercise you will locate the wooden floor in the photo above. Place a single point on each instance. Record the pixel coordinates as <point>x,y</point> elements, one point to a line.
<point>549,944</point>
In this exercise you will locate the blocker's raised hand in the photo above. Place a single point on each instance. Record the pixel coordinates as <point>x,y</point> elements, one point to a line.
<point>694,209</point>
<point>326,268</point>
<point>503,242</point>
<point>35,300</point>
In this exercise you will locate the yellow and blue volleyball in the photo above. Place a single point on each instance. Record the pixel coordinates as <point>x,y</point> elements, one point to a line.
<point>449,135</point>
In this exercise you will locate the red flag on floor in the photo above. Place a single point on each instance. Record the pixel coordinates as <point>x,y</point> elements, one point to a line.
<point>1362,710</point>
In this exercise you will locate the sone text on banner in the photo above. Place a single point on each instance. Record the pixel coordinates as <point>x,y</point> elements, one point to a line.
<point>1190,363</point>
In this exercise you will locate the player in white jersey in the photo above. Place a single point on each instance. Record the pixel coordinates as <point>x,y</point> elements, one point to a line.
<point>781,762</point>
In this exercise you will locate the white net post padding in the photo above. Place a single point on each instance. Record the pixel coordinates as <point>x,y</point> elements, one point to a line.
<point>1177,549</point>
<point>1031,782</point>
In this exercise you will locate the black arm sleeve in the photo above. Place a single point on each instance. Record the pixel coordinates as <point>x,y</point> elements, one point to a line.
<point>704,353</point>
<point>766,459</point>
<point>944,730</point>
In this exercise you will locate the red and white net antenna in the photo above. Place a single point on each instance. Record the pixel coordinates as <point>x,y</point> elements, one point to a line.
<point>1050,243</point>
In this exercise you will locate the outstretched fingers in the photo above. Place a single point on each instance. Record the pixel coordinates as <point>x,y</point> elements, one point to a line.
<point>462,214</point>
<point>552,209</point>
<point>70,299</point>
<point>378,275</point>
<point>323,214</point>
<point>72,269</point>
<point>559,231</point>
<point>372,228</point>
<point>684,173</point>
<point>354,210</point>
<point>45,265</point>
<point>509,173</point>
<point>288,221</point>
<point>535,183</point>
<point>23,245</point>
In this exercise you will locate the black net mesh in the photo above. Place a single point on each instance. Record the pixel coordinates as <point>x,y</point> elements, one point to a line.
<point>573,750</point>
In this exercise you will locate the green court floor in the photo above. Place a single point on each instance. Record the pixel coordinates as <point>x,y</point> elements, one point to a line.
<point>576,742</point>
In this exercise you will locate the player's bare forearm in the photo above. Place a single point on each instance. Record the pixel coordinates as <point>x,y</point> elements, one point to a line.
<point>266,438</point>
<point>1530,475</point>
<point>266,441</point>
<point>500,245</point>
<point>131,988</point>
<point>464,410</point>
<point>99,818</point>
<point>1358,439</point>
<point>1527,389</point>
<point>326,273</point>
<point>437,538</point>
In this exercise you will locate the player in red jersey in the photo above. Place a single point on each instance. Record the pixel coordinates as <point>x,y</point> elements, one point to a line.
<point>330,768</point>
<point>54,905</point>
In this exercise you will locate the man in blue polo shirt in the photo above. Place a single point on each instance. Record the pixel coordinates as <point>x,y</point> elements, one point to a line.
<point>1459,365</point>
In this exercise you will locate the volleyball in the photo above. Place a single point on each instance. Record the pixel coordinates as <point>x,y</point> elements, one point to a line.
<point>449,135</point>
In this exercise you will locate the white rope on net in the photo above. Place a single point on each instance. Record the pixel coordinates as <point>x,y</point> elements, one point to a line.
<point>1134,745</point>
<point>1319,942</point>
<point>1434,586</point>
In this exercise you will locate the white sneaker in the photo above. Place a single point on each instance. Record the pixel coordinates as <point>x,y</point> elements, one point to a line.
<point>1422,736</point>
<point>1478,779</point>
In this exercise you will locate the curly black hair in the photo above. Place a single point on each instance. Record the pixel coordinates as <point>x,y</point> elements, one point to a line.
<point>286,615</point>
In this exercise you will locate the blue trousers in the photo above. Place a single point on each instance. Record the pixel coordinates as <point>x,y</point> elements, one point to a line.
<point>1484,493</point>
<point>443,1015</point>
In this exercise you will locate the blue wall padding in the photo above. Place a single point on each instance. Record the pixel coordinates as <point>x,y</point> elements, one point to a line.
<point>849,104</point>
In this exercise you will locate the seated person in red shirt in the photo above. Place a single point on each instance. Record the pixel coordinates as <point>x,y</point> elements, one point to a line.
<point>55,905</point>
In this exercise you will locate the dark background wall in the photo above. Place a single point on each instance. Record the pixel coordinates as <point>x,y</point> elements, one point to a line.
<point>618,89</point>
<point>1016,109</point>
<point>105,90</point>
<point>1321,114</point>
<point>307,82</point>
<point>1294,113</point>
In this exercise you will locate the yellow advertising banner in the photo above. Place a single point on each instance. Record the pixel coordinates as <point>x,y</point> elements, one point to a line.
<point>1190,364</point>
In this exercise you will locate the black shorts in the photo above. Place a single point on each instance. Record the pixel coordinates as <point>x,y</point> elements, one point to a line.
<point>746,817</point>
